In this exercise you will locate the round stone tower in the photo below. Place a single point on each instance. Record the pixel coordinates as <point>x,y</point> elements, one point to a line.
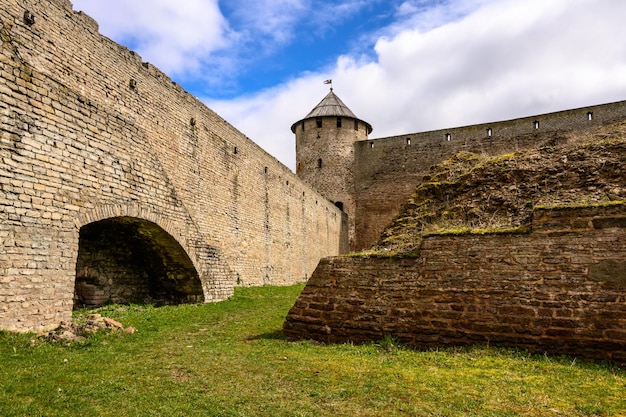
<point>325,153</point>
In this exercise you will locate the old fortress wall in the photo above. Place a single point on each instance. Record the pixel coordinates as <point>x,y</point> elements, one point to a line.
<point>388,169</point>
<point>117,185</point>
<point>558,289</point>
<point>95,142</point>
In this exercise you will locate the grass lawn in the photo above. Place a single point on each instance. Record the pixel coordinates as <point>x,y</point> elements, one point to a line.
<point>230,359</point>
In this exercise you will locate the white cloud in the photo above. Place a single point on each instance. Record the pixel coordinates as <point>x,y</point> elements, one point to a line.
<point>194,42</point>
<point>503,59</point>
<point>439,64</point>
<point>274,19</point>
<point>173,35</point>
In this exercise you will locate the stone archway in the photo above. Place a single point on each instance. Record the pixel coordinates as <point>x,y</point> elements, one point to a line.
<point>127,259</point>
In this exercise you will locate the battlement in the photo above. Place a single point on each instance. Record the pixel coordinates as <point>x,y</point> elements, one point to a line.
<point>579,119</point>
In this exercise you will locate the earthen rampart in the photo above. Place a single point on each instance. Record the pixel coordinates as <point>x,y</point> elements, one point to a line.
<point>559,289</point>
<point>387,169</point>
<point>91,135</point>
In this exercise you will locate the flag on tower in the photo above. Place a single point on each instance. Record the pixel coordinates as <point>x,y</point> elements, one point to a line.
<point>328,82</point>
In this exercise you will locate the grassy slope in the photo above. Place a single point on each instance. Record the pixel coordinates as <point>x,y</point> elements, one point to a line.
<point>229,359</point>
<point>471,191</point>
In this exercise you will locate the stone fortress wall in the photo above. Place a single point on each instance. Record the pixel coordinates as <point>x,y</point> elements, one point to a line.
<point>325,160</point>
<point>95,143</point>
<point>116,184</point>
<point>388,169</point>
<point>558,289</point>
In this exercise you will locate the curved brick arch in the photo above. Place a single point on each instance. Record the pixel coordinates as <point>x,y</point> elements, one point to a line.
<point>132,260</point>
<point>215,276</point>
<point>107,211</point>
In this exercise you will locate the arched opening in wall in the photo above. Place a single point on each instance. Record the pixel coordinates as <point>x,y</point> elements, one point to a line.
<point>319,163</point>
<point>130,260</point>
<point>339,205</point>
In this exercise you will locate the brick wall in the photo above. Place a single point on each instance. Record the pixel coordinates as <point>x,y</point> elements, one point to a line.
<point>388,169</point>
<point>560,289</point>
<point>89,132</point>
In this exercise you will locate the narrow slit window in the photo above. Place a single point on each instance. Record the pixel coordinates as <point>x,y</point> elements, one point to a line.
<point>356,124</point>
<point>448,137</point>
<point>408,141</point>
<point>371,145</point>
<point>590,115</point>
<point>536,124</point>
<point>489,131</point>
<point>338,121</point>
<point>318,122</point>
<point>319,163</point>
<point>302,125</point>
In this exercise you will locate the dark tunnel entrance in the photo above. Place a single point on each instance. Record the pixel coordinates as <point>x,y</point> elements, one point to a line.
<point>130,260</point>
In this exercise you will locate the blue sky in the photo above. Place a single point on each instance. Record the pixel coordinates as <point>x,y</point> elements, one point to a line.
<point>403,66</point>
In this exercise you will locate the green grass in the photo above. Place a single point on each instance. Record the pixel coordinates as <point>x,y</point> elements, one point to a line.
<point>230,359</point>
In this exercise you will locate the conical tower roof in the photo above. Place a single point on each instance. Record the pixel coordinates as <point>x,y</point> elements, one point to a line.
<point>331,106</point>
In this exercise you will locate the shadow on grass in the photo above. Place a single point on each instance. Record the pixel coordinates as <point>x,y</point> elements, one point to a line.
<point>275,335</point>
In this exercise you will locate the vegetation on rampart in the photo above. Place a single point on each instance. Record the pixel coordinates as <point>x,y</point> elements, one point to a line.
<point>473,193</point>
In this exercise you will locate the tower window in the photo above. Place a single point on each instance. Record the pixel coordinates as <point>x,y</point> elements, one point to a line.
<point>448,136</point>
<point>536,124</point>
<point>318,121</point>
<point>408,141</point>
<point>319,163</point>
<point>489,131</point>
<point>590,115</point>
<point>338,121</point>
<point>371,145</point>
<point>356,124</point>
<point>302,124</point>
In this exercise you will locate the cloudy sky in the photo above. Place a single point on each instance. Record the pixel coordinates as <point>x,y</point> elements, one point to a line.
<point>403,66</point>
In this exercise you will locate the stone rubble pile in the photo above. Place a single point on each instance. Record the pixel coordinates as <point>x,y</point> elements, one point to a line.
<point>71,331</point>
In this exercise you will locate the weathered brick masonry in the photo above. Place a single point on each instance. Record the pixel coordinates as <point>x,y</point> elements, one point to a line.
<point>94,144</point>
<point>559,289</point>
